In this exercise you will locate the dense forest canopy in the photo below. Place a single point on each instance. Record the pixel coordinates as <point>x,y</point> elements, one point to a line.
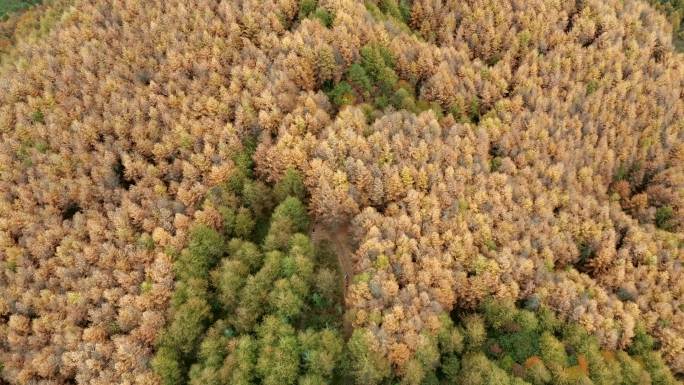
<point>341,192</point>
<point>10,7</point>
<point>674,10</point>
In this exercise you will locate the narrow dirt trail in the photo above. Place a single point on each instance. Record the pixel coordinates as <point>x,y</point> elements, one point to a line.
<point>339,239</point>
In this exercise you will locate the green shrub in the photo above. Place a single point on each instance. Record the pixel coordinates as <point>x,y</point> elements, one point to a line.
<point>258,198</point>
<point>475,332</point>
<point>38,117</point>
<point>290,185</point>
<point>188,325</point>
<point>632,371</point>
<point>495,164</point>
<point>292,210</point>
<point>592,86</point>
<point>324,16</point>
<point>244,223</point>
<point>166,364</point>
<point>367,365</point>
<point>451,367</point>
<point>239,366</point>
<point>387,79</point>
<point>213,349</point>
<point>381,102</point>
<point>205,248</point>
<point>307,7</point>
<point>279,234</point>
<point>228,215</point>
<point>372,61</point>
<point>664,218</point>
<point>205,241</point>
<point>248,253</point>
<point>520,345</point>
<point>321,351</point>
<point>498,313</point>
<point>229,279</point>
<point>450,338</point>
<point>243,161</point>
<point>279,352</point>
<point>342,94</point>
<point>526,320</point>
<point>577,337</point>
<point>642,342</point>
<point>391,7</point>
<point>327,283</point>
<point>358,77</point>
<point>547,320</point>
<point>285,300</point>
<point>536,372</point>
<point>476,369</point>
<point>195,287</point>
<point>658,370</point>
<point>552,351</point>
<point>402,99</point>
<point>474,110</point>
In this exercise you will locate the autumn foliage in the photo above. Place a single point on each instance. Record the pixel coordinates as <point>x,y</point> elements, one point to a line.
<point>157,158</point>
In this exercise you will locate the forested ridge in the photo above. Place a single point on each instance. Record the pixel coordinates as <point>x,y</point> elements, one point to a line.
<point>508,178</point>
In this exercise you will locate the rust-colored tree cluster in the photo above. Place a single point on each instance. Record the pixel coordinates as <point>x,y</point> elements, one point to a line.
<point>527,150</point>
<point>113,128</point>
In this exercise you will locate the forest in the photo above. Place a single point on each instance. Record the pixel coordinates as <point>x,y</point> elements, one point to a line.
<point>674,10</point>
<point>11,7</point>
<point>309,192</point>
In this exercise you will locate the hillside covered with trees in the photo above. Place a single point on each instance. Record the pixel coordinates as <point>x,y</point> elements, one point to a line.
<point>342,192</point>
